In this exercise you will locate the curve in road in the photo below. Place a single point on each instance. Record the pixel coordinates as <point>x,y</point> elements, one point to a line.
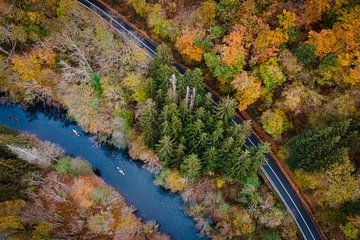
<point>270,168</point>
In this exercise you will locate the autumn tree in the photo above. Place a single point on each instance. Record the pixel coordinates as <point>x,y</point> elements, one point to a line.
<point>161,26</point>
<point>233,52</point>
<point>248,90</point>
<point>341,41</point>
<point>206,13</point>
<point>185,45</point>
<point>140,7</point>
<point>271,74</point>
<point>274,122</point>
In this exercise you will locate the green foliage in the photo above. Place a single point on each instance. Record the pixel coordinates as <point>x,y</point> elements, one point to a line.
<point>127,116</point>
<point>147,113</point>
<point>160,26</point>
<point>191,167</point>
<point>225,111</point>
<point>316,149</point>
<point>165,149</point>
<point>95,83</point>
<point>249,192</point>
<point>160,178</point>
<point>270,235</point>
<point>72,166</point>
<point>275,122</point>
<point>225,74</point>
<point>227,9</point>
<point>306,53</point>
<point>216,32</point>
<point>350,230</point>
<point>327,73</point>
<point>271,74</point>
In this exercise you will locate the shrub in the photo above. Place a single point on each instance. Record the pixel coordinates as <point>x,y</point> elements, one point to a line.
<point>275,122</point>
<point>174,181</point>
<point>100,194</point>
<point>72,166</point>
<point>42,232</point>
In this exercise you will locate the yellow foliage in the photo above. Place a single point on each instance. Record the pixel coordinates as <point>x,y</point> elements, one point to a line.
<point>185,45</point>
<point>314,10</point>
<point>248,90</point>
<point>11,207</point>
<point>35,66</point>
<point>337,185</point>
<point>174,181</point>
<point>287,20</point>
<point>325,41</point>
<point>10,223</point>
<point>219,182</point>
<point>34,16</point>
<point>206,13</point>
<point>137,85</point>
<point>274,122</point>
<point>140,7</point>
<point>343,41</point>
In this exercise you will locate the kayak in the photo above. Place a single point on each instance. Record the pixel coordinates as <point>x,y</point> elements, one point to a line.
<point>76,132</point>
<point>121,171</point>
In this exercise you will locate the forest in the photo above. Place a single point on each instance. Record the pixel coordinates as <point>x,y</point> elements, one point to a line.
<point>292,66</point>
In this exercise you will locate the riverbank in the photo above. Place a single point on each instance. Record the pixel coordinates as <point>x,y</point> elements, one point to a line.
<point>45,193</point>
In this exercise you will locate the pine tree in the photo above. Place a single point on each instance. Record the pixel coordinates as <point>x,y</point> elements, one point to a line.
<point>317,149</point>
<point>226,109</point>
<point>191,167</point>
<point>165,149</point>
<point>147,115</point>
<point>210,157</point>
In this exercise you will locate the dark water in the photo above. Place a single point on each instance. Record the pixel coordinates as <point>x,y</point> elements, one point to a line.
<point>136,186</point>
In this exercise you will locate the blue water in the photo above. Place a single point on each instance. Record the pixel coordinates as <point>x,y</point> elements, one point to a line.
<point>151,201</point>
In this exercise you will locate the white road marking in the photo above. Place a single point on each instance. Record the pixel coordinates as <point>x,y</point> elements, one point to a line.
<point>153,52</point>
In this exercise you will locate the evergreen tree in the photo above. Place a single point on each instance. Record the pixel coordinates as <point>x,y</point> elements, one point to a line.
<point>238,167</point>
<point>316,149</point>
<point>210,158</point>
<point>226,109</point>
<point>191,167</point>
<point>259,157</point>
<point>147,114</point>
<point>165,149</point>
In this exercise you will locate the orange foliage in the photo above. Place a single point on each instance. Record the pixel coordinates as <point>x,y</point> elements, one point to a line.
<point>344,42</point>
<point>185,44</point>
<point>233,52</point>
<point>314,10</point>
<point>82,188</point>
<point>325,41</point>
<point>248,90</point>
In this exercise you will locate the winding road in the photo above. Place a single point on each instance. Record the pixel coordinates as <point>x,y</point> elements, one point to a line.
<point>270,168</point>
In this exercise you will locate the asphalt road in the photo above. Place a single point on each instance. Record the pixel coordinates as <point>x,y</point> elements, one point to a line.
<point>270,168</point>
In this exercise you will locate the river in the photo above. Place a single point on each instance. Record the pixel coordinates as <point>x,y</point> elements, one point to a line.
<point>151,201</point>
